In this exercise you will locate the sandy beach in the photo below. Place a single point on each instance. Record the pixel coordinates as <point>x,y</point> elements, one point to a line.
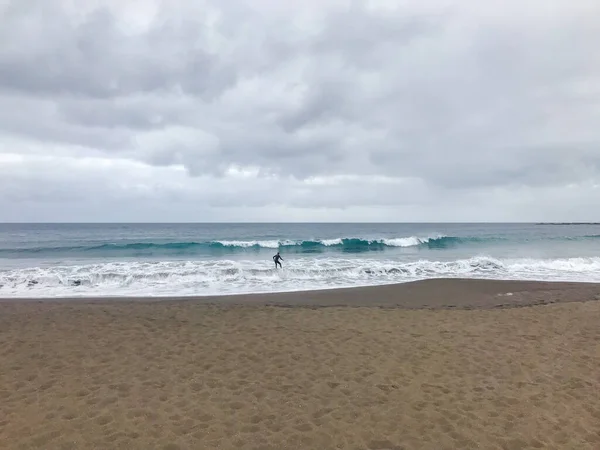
<point>441,364</point>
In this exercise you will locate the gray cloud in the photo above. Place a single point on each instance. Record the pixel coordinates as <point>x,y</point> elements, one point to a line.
<point>94,58</point>
<point>227,106</point>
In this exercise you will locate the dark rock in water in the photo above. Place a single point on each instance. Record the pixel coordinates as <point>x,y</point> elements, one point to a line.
<point>77,283</point>
<point>32,283</point>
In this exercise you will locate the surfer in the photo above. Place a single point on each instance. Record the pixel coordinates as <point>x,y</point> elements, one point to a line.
<point>276,258</point>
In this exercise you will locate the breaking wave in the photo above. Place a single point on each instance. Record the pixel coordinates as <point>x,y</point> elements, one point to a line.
<point>224,247</point>
<point>344,244</point>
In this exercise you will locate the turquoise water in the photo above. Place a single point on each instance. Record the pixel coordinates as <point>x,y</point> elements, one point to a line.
<point>203,259</point>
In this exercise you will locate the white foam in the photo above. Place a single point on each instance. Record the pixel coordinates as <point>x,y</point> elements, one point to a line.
<point>330,242</point>
<point>180,278</point>
<point>247,244</point>
<point>411,241</point>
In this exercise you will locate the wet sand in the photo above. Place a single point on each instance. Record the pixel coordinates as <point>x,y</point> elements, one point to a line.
<point>441,364</point>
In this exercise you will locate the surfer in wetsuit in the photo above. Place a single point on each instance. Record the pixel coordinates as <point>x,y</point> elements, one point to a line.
<point>276,258</point>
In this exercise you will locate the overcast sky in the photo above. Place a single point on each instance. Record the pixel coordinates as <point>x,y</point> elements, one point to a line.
<point>320,110</point>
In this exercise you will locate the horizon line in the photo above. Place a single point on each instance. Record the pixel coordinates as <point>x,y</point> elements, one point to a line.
<point>302,222</point>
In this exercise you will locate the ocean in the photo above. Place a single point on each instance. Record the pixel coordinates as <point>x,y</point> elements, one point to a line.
<point>74,260</point>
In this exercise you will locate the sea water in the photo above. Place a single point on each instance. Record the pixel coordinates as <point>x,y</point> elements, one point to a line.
<point>58,260</point>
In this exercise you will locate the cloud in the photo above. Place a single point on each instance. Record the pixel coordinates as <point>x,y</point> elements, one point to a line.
<point>386,109</point>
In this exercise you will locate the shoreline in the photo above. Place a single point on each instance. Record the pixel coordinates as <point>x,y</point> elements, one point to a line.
<point>437,293</point>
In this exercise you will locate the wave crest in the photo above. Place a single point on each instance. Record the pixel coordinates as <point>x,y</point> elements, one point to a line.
<point>342,244</point>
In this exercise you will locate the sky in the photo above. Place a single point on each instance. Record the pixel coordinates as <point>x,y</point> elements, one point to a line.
<point>270,111</point>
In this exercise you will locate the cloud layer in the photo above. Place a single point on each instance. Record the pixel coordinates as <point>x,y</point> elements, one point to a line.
<point>334,110</point>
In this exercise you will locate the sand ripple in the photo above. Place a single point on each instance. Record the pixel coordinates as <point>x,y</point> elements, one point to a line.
<point>185,376</point>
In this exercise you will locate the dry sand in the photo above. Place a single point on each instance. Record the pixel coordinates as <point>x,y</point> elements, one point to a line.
<point>244,374</point>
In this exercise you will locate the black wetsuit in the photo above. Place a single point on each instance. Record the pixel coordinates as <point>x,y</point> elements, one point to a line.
<point>276,258</point>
